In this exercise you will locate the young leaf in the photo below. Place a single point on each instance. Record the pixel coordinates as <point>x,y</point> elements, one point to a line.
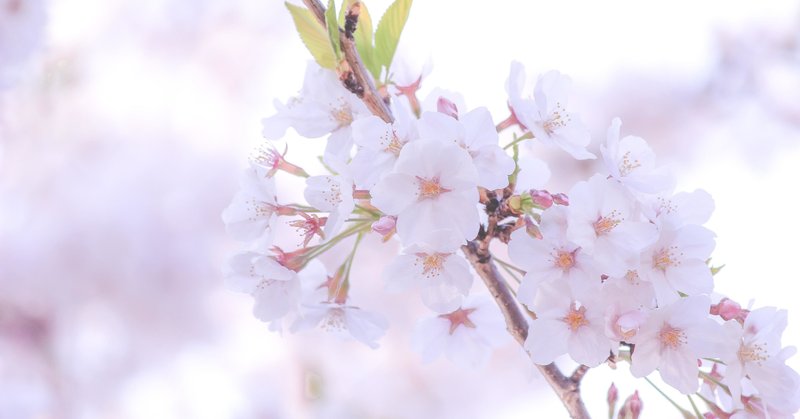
<point>363,37</point>
<point>389,29</point>
<point>333,29</point>
<point>313,35</point>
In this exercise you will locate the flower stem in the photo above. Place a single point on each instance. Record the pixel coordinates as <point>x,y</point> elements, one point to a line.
<point>683,411</point>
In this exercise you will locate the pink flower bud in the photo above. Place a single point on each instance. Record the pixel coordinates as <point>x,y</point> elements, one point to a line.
<point>632,407</point>
<point>613,396</point>
<point>532,229</point>
<point>729,310</point>
<point>561,199</point>
<point>542,199</point>
<point>385,226</point>
<point>447,107</point>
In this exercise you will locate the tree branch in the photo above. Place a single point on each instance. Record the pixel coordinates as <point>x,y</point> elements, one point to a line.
<point>358,80</point>
<point>567,389</point>
<point>354,75</point>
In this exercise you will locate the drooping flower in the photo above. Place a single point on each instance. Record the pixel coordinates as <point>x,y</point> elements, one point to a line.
<point>465,336</point>
<point>545,113</point>
<point>631,161</point>
<point>566,325</point>
<point>343,320</point>
<point>628,302</point>
<point>432,188</point>
<point>437,268</point>
<point>275,288</point>
<point>673,338</point>
<point>475,132</point>
<point>756,354</point>
<point>252,213</point>
<point>333,194</point>
<point>323,107</point>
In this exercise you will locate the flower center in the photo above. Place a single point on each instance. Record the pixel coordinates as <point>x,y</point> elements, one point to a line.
<point>632,277</point>
<point>753,353</point>
<point>665,258</point>
<point>671,337</point>
<point>334,320</point>
<point>607,223</point>
<point>564,260</point>
<point>395,145</point>
<point>558,119</point>
<point>342,113</point>
<point>458,318</point>
<point>626,166</point>
<point>432,263</point>
<point>576,318</point>
<point>429,188</point>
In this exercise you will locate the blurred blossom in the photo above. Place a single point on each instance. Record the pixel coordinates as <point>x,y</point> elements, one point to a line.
<point>122,128</point>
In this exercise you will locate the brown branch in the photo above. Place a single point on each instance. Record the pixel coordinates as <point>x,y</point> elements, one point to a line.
<point>357,79</point>
<point>354,75</point>
<point>567,389</point>
<point>578,374</point>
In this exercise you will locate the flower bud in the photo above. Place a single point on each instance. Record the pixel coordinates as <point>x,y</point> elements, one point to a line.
<point>542,199</point>
<point>447,107</point>
<point>385,226</point>
<point>561,199</point>
<point>611,398</point>
<point>632,407</point>
<point>729,310</point>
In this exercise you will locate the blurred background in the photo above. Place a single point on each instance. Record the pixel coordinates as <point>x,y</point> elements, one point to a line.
<point>124,127</point>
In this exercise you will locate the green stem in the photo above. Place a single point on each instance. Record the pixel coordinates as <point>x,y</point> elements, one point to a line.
<point>694,407</point>
<point>708,377</point>
<point>517,140</point>
<point>508,265</point>
<point>358,227</point>
<point>677,406</point>
<point>511,273</point>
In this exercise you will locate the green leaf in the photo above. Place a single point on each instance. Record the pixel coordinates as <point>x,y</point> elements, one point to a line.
<point>363,37</point>
<point>313,35</point>
<point>389,29</point>
<point>333,29</point>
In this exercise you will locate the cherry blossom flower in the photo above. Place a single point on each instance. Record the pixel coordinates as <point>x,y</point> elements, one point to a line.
<point>433,187</point>
<point>551,259</point>
<point>675,211</point>
<point>343,320</point>
<point>379,144</point>
<point>275,288</point>
<point>474,132</point>
<point>545,114</point>
<point>333,194</point>
<point>673,338</point>
<point>631,161</point>
<point>756,353</point>
<point>565,325</point>
<point>465,336</point>
<point>677,263</point>
<point>323,106</point>
<point>252,213</point>
<point>629,300</point>
<point>437,268</point>
<point>603,221</point>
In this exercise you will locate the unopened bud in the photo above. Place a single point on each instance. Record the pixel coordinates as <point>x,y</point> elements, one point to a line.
<point>561,199</point>
<point>447,107</point>
<point>729,310</point>
<point>532,229</point>
<point>632,407</point>
<point>385,226</point>
<point>542,199</point>
<point>611,398</point>
<point>292,260</point>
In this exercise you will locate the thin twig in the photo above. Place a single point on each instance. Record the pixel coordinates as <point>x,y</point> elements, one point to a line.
<point>566,389</point>
<point>354,76</point>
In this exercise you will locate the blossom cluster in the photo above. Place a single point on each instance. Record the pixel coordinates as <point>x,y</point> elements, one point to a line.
<point>617,268</point>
